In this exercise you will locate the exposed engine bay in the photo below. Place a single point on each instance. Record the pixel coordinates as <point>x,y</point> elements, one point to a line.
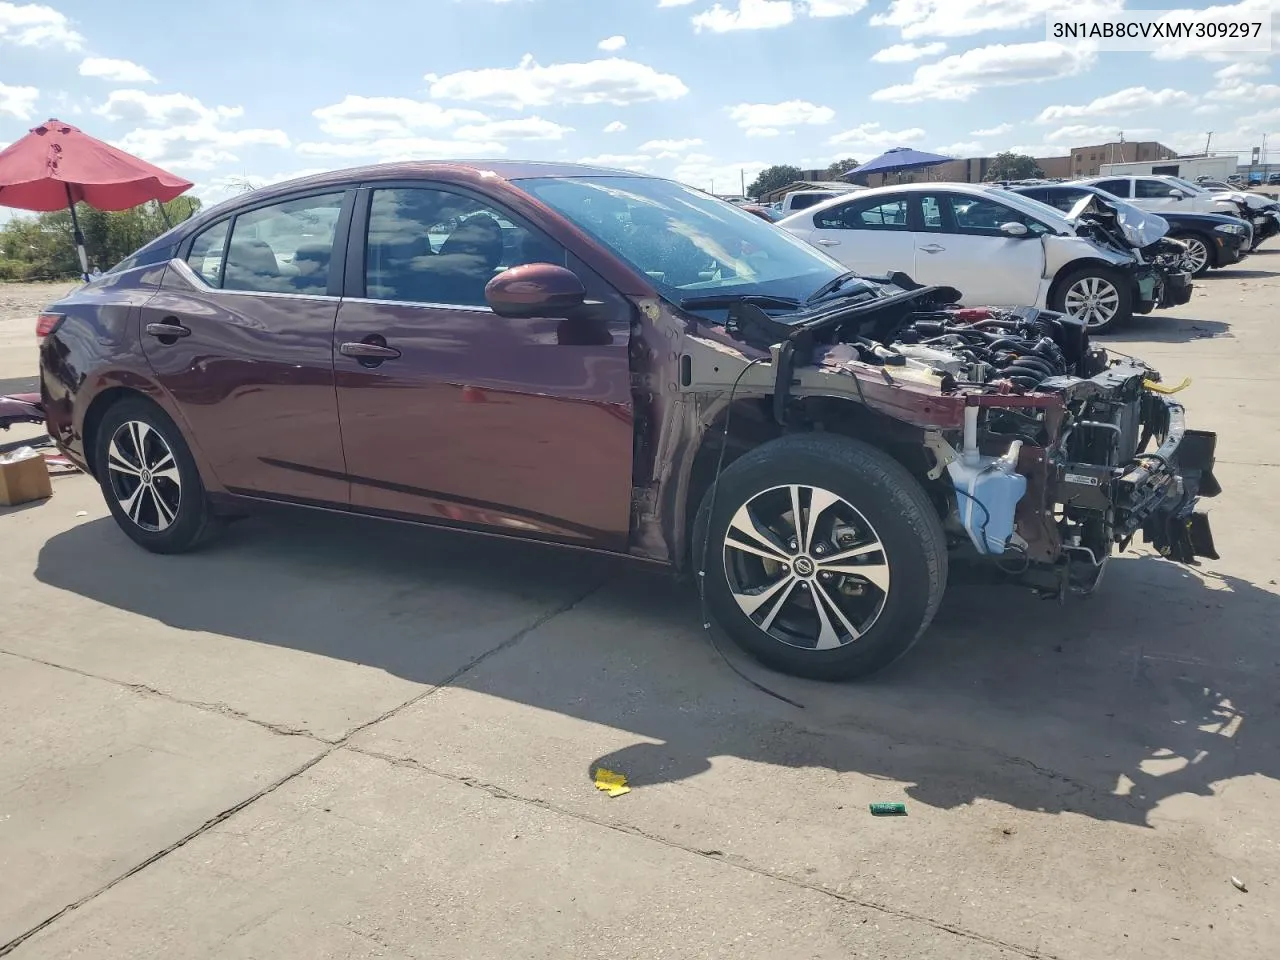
<point>1047,452</point>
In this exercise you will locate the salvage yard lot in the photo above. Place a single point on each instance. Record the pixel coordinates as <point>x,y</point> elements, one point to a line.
<point>329,738</point>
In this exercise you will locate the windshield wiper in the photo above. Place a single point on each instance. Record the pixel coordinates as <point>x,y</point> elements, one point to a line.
<point>832,285</point>
<point>763,300</point>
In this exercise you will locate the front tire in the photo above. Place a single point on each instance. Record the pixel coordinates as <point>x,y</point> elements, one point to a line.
<point>824,557</point>
<point>1200,253</point>
<point>1102,298</point>
<point>150,480</point>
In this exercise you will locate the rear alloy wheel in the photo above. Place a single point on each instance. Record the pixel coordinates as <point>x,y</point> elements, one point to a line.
<point>150,480</point>
<point>1096,296</point>
<point>1198,258</point>
<point>821,556</point>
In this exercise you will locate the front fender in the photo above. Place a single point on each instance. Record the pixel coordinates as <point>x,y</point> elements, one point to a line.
<point>1063,252</point>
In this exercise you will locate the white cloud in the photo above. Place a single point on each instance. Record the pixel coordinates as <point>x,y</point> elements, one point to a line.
<point>961,75</point>
<point>750,15</point>
<point>17,102</point>
<point>1076,134</point>
<point>906,52</point>
<point>669,146</point>
<point>177,130</point>
<point>1240,92</point>
<point>614,81</point>
<point>375,117</point>
<point>1238,71</point>
<point>617,126</point>
<point>1039,149</point>
<point>116,71</point>
<point>1128,100</point>
<point>963,18</point>
<point>627,161</point>
<point>872,138</point>
<point>217,189</point>
<point>961,149</point>
<point>35,25</point>
<point>757,117</point>
<point>524,128</point>
<point>834,8</point>
<point>388,149</point>
<point>996,131</point>
<point>616,42</point>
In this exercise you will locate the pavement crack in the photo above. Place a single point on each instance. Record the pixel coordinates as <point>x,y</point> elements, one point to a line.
<point>715,856</point>
<point>330,746</point>
<point>146,690</point>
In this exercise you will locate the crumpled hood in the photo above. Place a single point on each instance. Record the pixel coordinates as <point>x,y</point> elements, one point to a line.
<point>1140,227</point>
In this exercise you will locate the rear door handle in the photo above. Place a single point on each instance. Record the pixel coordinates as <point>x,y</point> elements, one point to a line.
<point>933,248</point>
<point>168,329</point>
<point>825,242</point>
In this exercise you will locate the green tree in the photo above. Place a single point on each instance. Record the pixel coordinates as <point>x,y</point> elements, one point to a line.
<point>838,169</point>
<point>1013,166</point>
<point>42,247</point>
<point>771,178</point>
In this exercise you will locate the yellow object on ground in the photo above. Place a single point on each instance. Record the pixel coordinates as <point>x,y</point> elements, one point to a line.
<point>614,784</point>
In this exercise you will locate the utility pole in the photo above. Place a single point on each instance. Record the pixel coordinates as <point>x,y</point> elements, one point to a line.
<point>742,173</point>
<point>1208,140</point>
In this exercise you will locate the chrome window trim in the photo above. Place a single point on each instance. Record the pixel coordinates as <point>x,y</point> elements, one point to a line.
<point>420,304</point>
<point>190,275</point>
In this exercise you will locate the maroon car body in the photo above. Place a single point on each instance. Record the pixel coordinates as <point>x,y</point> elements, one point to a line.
<point>601,425</point>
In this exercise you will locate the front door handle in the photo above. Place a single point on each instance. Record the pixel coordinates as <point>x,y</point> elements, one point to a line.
<point>932,248</point>
<point>169,329</point>
<point>825,242</point>
<point>370,351</point>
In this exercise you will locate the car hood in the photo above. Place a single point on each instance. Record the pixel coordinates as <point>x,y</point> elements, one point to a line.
<point>1140,227</point>
<point>1251,200</point>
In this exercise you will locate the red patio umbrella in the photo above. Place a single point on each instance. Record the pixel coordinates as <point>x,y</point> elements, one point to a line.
<point>57,165</point>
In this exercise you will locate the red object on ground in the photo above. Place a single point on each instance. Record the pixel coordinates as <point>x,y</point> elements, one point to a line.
<point>56,163</point>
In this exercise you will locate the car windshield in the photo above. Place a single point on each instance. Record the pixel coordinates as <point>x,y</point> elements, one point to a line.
<point>688,243</point>
<point>1183,184</point>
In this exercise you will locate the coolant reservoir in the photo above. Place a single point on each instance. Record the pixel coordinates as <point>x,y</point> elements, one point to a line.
<point>915,371</point>
<point>938,359</point>
<point>988,490</point>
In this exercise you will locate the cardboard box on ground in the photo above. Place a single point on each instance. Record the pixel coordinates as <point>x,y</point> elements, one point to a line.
<point>23,477</point>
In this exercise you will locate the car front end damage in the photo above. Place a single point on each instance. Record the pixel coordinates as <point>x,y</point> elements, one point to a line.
<point>1042,452</point>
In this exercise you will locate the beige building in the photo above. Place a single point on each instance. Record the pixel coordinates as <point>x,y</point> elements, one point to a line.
<point>1088,161</point>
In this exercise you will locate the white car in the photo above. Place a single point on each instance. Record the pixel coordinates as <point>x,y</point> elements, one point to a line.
<point>1166,193</point>
<point>997,248</point>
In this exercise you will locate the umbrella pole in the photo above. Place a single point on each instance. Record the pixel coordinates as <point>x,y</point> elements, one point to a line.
<point>79,237</point>
<point>164,215</point>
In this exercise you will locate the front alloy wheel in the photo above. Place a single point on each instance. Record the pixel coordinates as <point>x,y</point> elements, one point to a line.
<point>1095,300</point>
<point>1196,260</point>
<point>806,567</point>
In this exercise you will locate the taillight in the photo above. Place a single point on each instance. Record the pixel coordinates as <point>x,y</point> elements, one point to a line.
<point>46,323</point>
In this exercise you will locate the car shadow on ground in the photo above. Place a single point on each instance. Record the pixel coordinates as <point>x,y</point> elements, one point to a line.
<point>1236,273</point>
<point>1162,328</point>
<point>1161,685</point>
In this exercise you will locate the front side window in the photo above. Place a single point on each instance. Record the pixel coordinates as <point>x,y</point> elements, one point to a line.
<point>983,217</point>
<point>283,248</point>
<point>427,245</point>
<point>1151,189</point>
<point>687,242</point>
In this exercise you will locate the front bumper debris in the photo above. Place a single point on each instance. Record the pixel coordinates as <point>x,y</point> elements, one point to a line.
<point>1177,289</point>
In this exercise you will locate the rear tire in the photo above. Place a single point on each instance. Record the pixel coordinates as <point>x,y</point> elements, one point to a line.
<point>847,590</point>
<point>150,480</point>
<point>1101,297</point>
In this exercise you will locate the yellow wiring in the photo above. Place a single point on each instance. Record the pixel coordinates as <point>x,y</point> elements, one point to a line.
<point>1161,388</point>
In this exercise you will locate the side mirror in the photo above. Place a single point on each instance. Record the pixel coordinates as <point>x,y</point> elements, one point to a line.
<point>1176,193</point>
<point>535,290</point>
<point>1012,229</point>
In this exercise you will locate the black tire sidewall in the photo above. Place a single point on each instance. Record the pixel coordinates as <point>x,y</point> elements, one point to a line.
<point>189,528</point>
<point>1123,285</point>
<point>892,502</point>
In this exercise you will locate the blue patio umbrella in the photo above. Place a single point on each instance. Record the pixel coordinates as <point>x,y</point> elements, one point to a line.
<point>898,160</point>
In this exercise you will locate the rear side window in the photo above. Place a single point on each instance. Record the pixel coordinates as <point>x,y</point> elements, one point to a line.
<point>284,248</point>
<point>207,250</point>
<point>873,213</point>
<point>1117,188</point>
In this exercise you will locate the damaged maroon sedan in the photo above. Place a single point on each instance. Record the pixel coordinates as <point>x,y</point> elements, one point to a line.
<point>619,363</point>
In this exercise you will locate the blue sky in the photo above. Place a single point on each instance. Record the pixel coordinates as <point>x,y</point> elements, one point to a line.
<point>696,89</point>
